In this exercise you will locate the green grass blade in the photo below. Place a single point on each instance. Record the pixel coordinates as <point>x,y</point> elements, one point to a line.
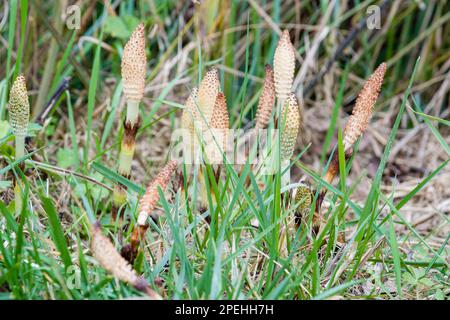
<point>396,256</point>
<point>56,230</point>
<point>91,97</point>
<point>116,178</point>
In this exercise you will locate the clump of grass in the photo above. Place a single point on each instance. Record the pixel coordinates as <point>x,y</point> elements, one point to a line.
<point>19,116</point>
<point>134,67</point>
<point>234,258</point>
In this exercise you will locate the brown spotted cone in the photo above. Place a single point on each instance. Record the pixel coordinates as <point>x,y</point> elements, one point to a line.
<point>362,112</point>
<point>19,107</point>
<point>190,112</point>
<point>220,123</point>
<point>151,196</point>
<point>220,118</point>
<point>207,92</point>
<point>266,100</point>
<point>284,66</point>
<point>110,259</point>
<point>134,65</point>
<point>290,124</point>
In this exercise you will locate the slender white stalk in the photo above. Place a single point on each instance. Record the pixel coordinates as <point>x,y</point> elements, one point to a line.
<point>20,146</point>
<point>132,112</point>
<point>286,177</point>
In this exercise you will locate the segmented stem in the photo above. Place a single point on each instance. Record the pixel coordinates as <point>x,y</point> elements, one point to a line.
<point>134,66</point>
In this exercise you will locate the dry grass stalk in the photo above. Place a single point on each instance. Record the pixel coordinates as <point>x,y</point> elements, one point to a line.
<point>110,259</point>
<point>290,119</point>
<point>284,67</point>
<point>266,100</point>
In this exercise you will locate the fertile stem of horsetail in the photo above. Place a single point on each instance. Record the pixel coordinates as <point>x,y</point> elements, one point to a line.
<point>277,82</point>
<point>220,124</point>
<point>217,144</point>
<point>303,198</point>
<point>110,259</point>
<point>197,114</point>
<point>356,124</point>
<point>188,118</point>
<point>146,206</point>
<point>359,120</point>
<point>19,116</point>
<point>266,100</point>
<point>284,67</point>
<point>290,125</point>
<point>207,94</point>
<point>134,65</point>
<point>263,114</point>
